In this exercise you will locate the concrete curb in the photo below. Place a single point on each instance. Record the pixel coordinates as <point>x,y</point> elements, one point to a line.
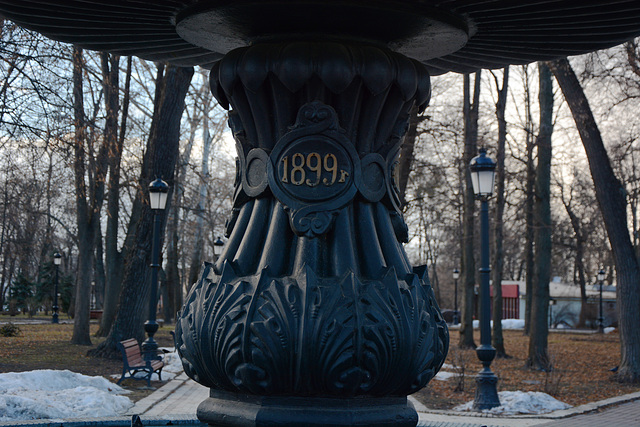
<point>564,413</point>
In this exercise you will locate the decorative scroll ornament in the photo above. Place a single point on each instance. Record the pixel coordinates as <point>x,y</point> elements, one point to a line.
<point>313,170</point>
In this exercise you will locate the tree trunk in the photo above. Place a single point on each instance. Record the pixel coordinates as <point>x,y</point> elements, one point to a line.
<point>611,197</point>
<point>114,261</point>
<point>498,255</point>
<point>528,211</point>
<point>539,329</point>
<point>580,241</point>
<point>174,282</point>
<point>159,161</point>
<point>3,250</point>
<point>84,214</point>
<point>406,151</point>
<point>468,268</point>
<point>198,247</point>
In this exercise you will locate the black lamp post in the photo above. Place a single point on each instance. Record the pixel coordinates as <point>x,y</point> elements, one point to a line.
<point>57,260</point>
<point>601,276</point>
<point>218,245</point>
<point>158,191</point>
<point>456,276</point>
<point>482,177</point>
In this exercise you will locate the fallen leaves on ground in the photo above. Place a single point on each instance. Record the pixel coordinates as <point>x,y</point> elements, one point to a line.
<point>582,370</point>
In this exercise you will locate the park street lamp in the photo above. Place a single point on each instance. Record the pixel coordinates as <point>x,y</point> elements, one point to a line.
<point>218,245</point>
<point>601,277</point>
<point>57,260</point>
<point>158,192</point>
<point>482,178</point>
<point>456,276</point>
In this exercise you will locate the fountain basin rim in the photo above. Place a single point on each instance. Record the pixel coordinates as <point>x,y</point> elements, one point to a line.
<point>419,32</point>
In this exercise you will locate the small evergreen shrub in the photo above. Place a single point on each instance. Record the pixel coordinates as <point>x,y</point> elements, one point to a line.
<point>9,330</point>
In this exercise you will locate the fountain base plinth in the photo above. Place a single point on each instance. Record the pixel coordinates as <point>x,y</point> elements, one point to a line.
<point>224,409</point>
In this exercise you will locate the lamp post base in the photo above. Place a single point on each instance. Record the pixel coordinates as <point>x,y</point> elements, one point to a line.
<point>486,391</point>
<point>225,409</point>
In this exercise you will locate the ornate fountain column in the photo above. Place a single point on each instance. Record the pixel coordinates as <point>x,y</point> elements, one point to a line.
<point>313,314</point>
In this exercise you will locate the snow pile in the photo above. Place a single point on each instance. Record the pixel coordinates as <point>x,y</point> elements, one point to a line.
<point>444,375</point>
<point>50,394</point>
<point>172,364</point>
<point>506,324</point>
<point>520,402</point>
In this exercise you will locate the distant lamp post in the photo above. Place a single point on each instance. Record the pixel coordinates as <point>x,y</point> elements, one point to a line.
<point>601,277</point>
<point>482,178</point>
<point>218,245</point>
<point>158,192</point>
<point>57,260</point>
<point>456,276</point>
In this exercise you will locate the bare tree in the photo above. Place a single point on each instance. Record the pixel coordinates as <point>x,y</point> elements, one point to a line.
<point>468,270</point>
<point>611,197</point>
<point>115,139</point>
<point>498,220</point>
<point>160,159</point>
<point>89,198</point>
<point>539,329</point>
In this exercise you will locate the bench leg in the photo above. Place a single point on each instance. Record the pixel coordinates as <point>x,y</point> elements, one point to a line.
<point>124,373</point>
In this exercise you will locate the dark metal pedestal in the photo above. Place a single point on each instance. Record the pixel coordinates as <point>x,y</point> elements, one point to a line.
<point>313,308</point>
<point>225,409</point>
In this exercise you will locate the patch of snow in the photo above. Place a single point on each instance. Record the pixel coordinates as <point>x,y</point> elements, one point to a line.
<point>51,394</point>
<point>609,330</point>
<point>506,324</point>
<point>512,323</point>
<point>444,376</point>
<point>520,402</point>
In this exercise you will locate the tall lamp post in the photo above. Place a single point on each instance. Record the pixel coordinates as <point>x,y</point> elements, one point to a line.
<point>57,260</point>
<point>158,192</point>
<point>456,276</point>
<point>482,178</point>
<point>601,277</point>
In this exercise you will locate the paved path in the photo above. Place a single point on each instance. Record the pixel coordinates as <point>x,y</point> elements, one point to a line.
<point>623,415</point>
<point>181,396</point>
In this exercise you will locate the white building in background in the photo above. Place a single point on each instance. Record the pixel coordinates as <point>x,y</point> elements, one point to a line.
<point>565,303</point>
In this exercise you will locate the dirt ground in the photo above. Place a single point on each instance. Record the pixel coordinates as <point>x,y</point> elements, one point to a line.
<point>582,373</point>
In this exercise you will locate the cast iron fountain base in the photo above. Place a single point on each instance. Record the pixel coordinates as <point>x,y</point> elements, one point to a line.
<point>225,409</point>
<point>313,313</point>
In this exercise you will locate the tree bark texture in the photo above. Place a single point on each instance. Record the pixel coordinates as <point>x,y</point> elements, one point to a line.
<point>159,161</point>
<point>498,255</point>
<point>611,197</point>
<point>539,329</point>
<point>468,268</point>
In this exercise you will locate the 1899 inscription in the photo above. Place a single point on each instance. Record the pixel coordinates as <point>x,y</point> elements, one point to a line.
<point>312,169</point>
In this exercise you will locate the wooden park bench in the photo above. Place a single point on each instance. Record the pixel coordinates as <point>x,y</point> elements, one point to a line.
<point>133,362</point>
